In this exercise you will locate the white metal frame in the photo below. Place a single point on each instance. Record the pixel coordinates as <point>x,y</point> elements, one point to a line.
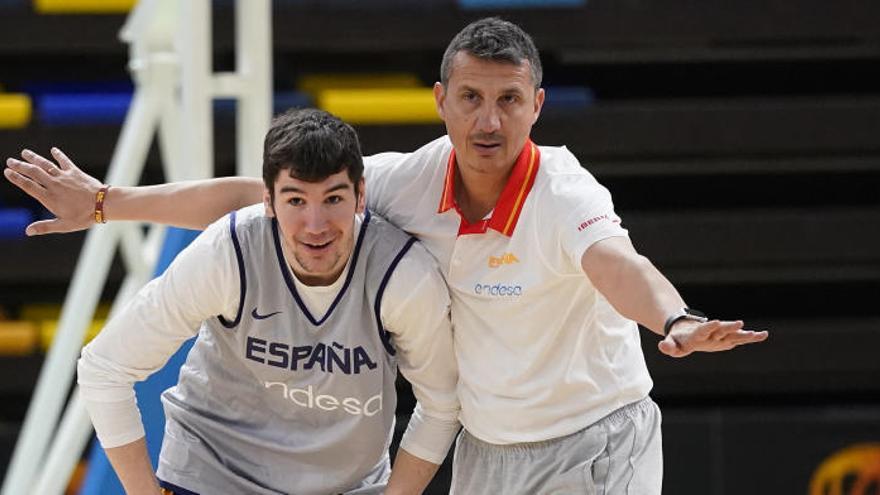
<point>170,62</point>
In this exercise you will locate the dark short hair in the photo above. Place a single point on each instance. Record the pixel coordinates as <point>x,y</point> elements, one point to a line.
<point>493,39</point>
<point>313,145</point>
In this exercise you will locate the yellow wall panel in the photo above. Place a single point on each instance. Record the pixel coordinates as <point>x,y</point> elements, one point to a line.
<point>315,83</point>
<point>17,338</point>
<point>381,106</point>
<point>83,6</point>
<point>15,110</point>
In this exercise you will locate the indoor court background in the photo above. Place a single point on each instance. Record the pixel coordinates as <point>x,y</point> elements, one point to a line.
<point>740,140</point>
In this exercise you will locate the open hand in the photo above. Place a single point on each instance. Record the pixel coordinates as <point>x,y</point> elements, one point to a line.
<point>688,336</point>
<point>64,189</point>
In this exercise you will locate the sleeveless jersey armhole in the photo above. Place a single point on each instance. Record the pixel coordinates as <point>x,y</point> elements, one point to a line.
<point>384,334</point>
<point>241,277</point>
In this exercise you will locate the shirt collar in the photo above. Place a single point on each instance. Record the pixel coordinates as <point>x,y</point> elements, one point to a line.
<point>509,206</point>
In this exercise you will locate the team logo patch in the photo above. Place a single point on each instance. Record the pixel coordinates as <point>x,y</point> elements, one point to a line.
<point>504,259</point>
<point>258,316</point>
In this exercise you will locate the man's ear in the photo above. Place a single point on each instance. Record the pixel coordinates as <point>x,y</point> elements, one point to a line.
<point>267,203</point>
<point>539,103</point>
<point>439,99</point>
<point>362,196</point>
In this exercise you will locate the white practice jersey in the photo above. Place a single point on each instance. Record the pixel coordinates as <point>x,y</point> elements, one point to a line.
<point>274,398</point>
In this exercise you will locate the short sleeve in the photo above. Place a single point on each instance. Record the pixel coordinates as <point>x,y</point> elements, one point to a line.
<point>588,213</point>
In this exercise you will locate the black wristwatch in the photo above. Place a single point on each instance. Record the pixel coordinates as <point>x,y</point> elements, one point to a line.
<point>683,314</point>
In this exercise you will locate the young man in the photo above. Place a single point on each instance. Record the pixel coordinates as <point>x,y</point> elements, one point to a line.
<point>307,305</point>
<point>546,287</point>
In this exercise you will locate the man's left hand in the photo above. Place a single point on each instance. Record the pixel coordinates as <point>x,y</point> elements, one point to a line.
<point>686,337</point>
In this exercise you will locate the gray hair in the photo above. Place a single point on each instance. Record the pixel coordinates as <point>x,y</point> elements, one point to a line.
<point>493,39</point>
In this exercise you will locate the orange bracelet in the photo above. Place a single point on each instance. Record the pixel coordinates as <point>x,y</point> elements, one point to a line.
<point>99,205</point>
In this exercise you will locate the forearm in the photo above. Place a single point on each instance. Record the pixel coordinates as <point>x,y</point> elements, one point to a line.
<point>645,295</point>
<point>410,474</point>
<point>190,204</point>
<point>132,464</point>
<point>631,283</point>
<point>111,405</point>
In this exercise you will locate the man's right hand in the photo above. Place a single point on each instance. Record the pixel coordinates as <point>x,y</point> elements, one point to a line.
<point>64,189</point>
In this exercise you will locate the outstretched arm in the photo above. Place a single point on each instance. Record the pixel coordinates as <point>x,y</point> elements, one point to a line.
<point>69,193</point>
<point>637,290</point>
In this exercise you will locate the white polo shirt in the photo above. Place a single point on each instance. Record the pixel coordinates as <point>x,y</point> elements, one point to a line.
<point>541,353</point>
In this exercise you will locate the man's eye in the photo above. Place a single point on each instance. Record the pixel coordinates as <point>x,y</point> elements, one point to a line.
<point>296,201</point>
<point>334,199</point>
<point>469,97</point>
<point>510,98</point>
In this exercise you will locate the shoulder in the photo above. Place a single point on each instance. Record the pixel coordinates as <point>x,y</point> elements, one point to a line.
<point>247,216</point>
<point>563,182</point>
<point>401,167</point>
<point>418,262</point>
<point>560,168</point>
<point>415,285</point>
<point>385,231</point>
<point>246,222</point>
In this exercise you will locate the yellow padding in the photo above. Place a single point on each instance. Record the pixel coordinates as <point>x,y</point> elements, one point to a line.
<point>83,6</point>
<point>381,106</point>
<point>15,110</point>
<point>314,83</point>
<point>49,327</point>
<point>17,338</point>
<point>47,311</point>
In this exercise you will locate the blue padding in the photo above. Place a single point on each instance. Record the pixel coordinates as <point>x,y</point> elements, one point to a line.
<point>100,479</point>
<point>13,222</point>
<point>39,88</point>
<point>290,99</point>
<point>496,4</point>
<point>281,101</point>
<point>90,107</point>
<point>567,98</point>
<point>21,4</point>
<point>82,108</point>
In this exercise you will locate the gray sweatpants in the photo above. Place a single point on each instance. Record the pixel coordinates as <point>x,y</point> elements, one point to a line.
<point>619,454</point>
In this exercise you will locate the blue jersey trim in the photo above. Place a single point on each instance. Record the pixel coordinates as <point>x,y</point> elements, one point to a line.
<point>176,489</point>
<point>285,271</point>
<point>241,276</point>
<point>377,307</point>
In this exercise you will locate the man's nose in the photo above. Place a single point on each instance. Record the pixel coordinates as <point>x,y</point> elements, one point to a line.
<point>488,119</point>
<point>315,220</point>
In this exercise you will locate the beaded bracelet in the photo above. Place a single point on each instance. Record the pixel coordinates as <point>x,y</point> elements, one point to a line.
<point>99,205</point>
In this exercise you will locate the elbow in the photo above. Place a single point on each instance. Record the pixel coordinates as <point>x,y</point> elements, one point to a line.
<point>100,379</point>
<point>86,370</point>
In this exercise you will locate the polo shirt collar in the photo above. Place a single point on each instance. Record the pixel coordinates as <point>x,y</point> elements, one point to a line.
<point>509,206</point>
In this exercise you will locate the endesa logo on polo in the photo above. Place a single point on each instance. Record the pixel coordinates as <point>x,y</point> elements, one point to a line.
<point>504,259</point>
<point>501,289</point>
